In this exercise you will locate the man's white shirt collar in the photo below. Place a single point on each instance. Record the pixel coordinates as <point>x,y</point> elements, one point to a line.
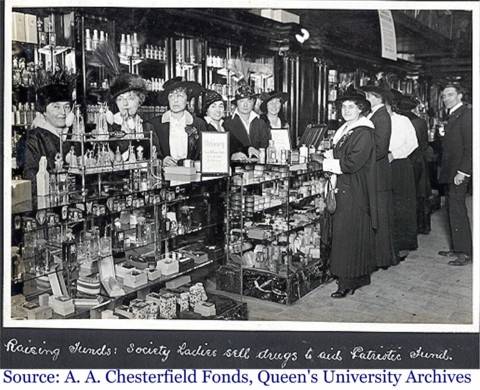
<point>455,108</point>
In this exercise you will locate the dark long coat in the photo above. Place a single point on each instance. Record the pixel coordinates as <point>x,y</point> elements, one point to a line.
<point>419,156</point>
<point>41,142</point>
<point>240,140</point>
<point>457,145</point>
<point>161,137</point>
<point>353,245</point>
<point>384,252</point>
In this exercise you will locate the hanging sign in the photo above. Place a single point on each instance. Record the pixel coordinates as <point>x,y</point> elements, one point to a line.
<point>215,153</point>
<point>387,31</point>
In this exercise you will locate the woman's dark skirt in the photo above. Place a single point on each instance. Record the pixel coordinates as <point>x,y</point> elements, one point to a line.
<point>404,206</point>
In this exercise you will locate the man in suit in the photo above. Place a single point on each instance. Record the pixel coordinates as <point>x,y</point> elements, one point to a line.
<point>455,171</point>
<point>384,252</point>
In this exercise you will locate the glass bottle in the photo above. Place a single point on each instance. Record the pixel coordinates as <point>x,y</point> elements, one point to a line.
<point>135,46</point>
<point>271,153</point>
<point>88,40</point>
<point>123,46</point>
<point>95,39</point>
<point>129,49</point>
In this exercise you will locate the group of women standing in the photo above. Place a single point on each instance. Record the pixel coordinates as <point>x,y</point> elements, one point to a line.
<point>375,223</point>
<point>372,224</point>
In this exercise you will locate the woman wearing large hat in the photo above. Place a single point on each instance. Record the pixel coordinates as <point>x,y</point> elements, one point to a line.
<point>128,92</point>
<point>213,110</point>
<point>176,134</point>
<point>271,108</point>
<point>248,133</point>
<point>353,163</point>
<point>53,108</point>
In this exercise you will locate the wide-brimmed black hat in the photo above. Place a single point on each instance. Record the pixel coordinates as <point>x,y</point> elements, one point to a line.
<point>266,97</point>
<point>385,93</point>
<point>191,88</point>
<point>407,103</point>
<point>396,96</point>
<point>244,91</point>
<point>210,97</point>
<point>126,82</point>
<point>53,93</point>
<point>356,96</point>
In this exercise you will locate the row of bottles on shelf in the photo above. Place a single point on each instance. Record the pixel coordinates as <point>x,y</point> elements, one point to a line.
<point>22,72</point>
<point>226,90</point>
<point>188,51</point>
<point>216,62</point>
<point>129,45</point>
<point>276,155</point>
<point>152,52</point>
<point>92,42</point>
<point>23,114</point>
<point>155,84</point>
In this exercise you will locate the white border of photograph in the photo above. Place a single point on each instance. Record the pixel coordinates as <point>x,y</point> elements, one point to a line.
<point>242,325</point>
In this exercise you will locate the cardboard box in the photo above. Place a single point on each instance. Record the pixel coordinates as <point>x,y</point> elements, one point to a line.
<point>21,196</point>
<point>62,305</point>
<point>167,266</point>
<point>135,278</point>
<point>31,35</point>
<point>18,26</point>
<point>153,274</point>
<point>36,312</point>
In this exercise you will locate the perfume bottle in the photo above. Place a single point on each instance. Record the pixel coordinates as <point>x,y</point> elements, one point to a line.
<point>95,40</point>
<point>129,49</point>
<point>123,46</point>
<point>88,40</point>
<point>106,244</point>
<point>271,153</point>
<point>135,46</point>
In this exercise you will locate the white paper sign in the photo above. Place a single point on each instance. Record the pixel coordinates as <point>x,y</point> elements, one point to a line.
<point>281,137</point>
<point>387,31</point>
<point>215,152</point>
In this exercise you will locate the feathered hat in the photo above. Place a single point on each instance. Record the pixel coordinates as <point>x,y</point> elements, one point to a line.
<point>53,87</point>
<point>106,55</point>
<point>210,97</point>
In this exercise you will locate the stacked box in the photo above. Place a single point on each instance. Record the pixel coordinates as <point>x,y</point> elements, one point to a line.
<point>167,305</point>
<point>228,278</point>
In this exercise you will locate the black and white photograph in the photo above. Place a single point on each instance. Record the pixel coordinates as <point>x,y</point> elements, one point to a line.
<point>299,166</point>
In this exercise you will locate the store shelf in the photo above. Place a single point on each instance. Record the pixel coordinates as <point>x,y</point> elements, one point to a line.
<point>109,168</point>
<point>111,138</point>
<point>162,279</point>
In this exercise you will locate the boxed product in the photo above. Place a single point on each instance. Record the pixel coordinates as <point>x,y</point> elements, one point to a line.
<point>180,173</point>
<point>21,195</point>
<point>62,305</point>
<point>168,266</point>
<point>36,312</point>
<point>135,278</point>
<point>167,305</point>
<point>197,294</point>
<point>205,309</point>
